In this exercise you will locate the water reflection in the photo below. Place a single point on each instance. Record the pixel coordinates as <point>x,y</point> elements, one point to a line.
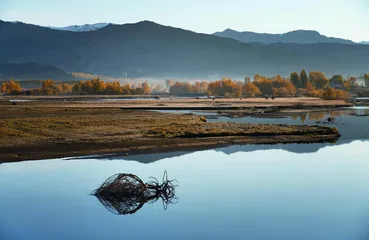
<point>351,127</point>
<point>264,194</point>
<point>124,194</point>
<point>316,116</point>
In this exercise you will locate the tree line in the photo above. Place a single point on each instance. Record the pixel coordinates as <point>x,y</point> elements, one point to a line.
<point>314,84</point>
<point>48,87</point>
<point>95,86</point>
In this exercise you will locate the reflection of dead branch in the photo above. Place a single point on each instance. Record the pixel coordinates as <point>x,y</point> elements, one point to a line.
<point>126,193</point>
<point>332,120</point>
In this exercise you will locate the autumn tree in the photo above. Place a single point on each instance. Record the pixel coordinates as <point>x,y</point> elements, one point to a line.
<point>179,88</point>
<point>11,88</point>
<point>276,85</point>
<point>280,92</point>
<point>146,88</point>
<point>77,87</point>
<point>296,80</point>
<point>303,78</point>
<point>265,85</point>
<point>311,91</point>
<point>113,88</point>
<point>250,90</point>
<point>319,80</point>
<point>329,94</point>
<point>98,86</point>
<point>341,95</point>
<point>257,77</point>
<point>141,89</point>
<point>226,85</point>
<point>347,85</point>
<point>350,83</point>
<point>335,94</point>
<point>126,89</point>
<point>337,79</point>
<point>95,86</point>
<point>64,88</point>
<point>200,87</point>
<point>49,88</point>
<point>48,83</point>
<point>3,88</point>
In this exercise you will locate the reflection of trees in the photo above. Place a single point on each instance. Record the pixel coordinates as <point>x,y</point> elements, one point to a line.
<point>337,113</point>
<point>316,116</point>
<point>303,117</point>
<point>125,194</point>
<point>294,116</point>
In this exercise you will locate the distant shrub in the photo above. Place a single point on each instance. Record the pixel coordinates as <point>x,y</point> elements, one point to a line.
<point>335,94</point>
<point>11,88</point>
<point>250,90</point>
<point>280,92</point>
<point>225,87</point>
<point>319,79</point>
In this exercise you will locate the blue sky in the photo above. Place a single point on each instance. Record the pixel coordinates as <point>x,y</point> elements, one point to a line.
<point>340,18</point>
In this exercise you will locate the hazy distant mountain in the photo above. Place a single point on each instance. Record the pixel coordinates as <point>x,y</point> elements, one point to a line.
<point>299,36</point>
<point>249,37</point>
<point>150,49</point>
<point>364,42</point>
<point>34,71</point>
<point>82,28</point>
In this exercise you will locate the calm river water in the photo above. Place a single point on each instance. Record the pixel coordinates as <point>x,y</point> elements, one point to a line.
<point>312,192</point>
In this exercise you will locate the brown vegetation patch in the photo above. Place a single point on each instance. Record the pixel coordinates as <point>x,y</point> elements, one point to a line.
<point>44,132</point>
<point>235,129</point>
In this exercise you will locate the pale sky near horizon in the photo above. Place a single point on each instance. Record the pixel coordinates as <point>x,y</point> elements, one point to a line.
<point>335,18</point>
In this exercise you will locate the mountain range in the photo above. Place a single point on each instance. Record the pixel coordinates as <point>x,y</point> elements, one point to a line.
<point>298,36</point>
<point>82,28</point>
<point>32,70</point>
<point>147,49</point>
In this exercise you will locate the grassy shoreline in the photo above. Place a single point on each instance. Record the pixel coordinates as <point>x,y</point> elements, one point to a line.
<point>41,131</point>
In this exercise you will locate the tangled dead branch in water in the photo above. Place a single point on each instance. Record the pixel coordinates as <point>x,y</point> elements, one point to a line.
<point>332,121</point>
<point>125,193</point>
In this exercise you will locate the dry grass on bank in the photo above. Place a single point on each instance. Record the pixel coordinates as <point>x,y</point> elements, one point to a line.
<point>45,132</point>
